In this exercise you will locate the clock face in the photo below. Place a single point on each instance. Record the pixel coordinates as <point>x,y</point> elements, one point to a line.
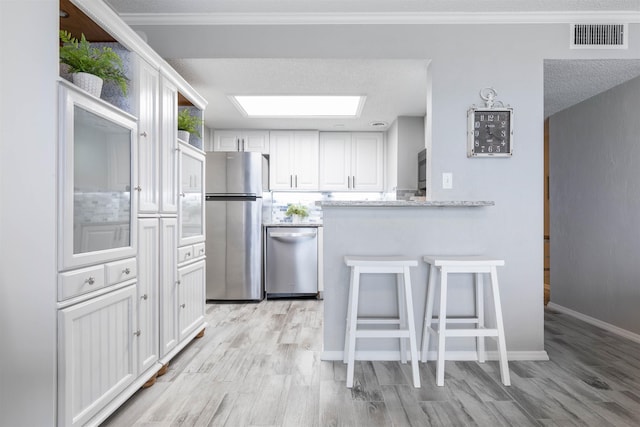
<point>490,132</point>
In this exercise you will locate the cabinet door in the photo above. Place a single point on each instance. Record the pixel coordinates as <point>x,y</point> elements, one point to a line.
<point>148,279</point>
<point>335,161</point>
<point>305,163</point>
<point>97,354</point>
<point>168,285</point>
<point>281,160</point>
<point>226,140</point>
<point>257,140</point>
<point>367,161</point>
<point>168,148</point>
<point>191,202</point>
<point>191,298</point>
<point>147,86</point>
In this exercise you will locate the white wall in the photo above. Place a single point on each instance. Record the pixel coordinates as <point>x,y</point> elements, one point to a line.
<point>410,142</point>
<point>27,214</point>
<point>391,158</point>
<point>594,153</point>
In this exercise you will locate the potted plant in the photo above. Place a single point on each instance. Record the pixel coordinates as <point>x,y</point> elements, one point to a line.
<point>188,124</point>
<point>91,66</point>
<point>297,212</point>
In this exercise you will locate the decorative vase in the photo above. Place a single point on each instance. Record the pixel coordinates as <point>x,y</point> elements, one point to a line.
<point>89,83</point>
<point>183,135</point>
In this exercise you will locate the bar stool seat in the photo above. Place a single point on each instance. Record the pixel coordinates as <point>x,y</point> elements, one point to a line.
<point>405,321</point>
<point>477,265</point>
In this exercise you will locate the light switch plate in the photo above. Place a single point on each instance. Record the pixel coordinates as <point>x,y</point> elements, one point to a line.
<point>447,180</point>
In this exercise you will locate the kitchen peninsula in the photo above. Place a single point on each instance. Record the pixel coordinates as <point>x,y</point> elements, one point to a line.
<point>407,228</point>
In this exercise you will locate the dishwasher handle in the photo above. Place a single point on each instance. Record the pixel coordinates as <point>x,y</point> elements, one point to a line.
<point>279,235</point>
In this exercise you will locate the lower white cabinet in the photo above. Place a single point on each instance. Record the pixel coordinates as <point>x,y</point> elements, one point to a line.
<point>148,278</point>
<point>191,297</point>
<point>97,357</point>
<point>168,285</point>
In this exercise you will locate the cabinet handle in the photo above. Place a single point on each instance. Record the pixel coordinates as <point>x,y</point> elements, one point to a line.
<point>144,297</point>
<point>144,134</point>
<point>183,305</point>
<point>296,181</point>
<point>90,280</point>
<point>137,333</point>
<point>290,181</point>
<point>126,270</point>
<point>349,182</point>
<point>353,182</point>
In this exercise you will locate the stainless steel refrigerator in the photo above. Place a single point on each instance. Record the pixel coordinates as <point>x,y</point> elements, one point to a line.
<point>234,226</point>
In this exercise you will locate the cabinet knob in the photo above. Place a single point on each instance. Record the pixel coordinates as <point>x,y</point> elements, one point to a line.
<point>126,270</point>
<point>144,297</point>
<point>90,280</point>
<point>183,195</point>
<point>143,134</point>
<point>137,188</point>
<point>137,333</point>
<point>188,254</point>
<point>178,282</point>
<point>183,305</point>
<point>201,251</point>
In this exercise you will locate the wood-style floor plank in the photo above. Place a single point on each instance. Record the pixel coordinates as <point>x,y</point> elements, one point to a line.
<point>259,365</point>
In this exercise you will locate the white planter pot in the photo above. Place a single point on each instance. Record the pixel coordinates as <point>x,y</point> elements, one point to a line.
<point>88,82</point>
<point>183,135</point>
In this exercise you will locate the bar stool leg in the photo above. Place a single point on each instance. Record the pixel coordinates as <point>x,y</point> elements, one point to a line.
<point>353,320</point>
<point>347,322</point>
<point>442,327</point>
<point>402,315</point>
<point>428,316</point>
<point>412,328</point>
<point>502,346</point>
<point>480,315</point>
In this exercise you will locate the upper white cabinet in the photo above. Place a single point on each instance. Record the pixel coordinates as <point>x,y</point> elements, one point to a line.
<point>146,94</point>
<point>168,147</point>
<point>294,160</point>
<point>241,140</point>
<point>191,203</point>
<point>351,161</point>
<point>98,167</point>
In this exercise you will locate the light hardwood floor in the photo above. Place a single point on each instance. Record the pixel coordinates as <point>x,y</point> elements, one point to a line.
<point>259,365</point>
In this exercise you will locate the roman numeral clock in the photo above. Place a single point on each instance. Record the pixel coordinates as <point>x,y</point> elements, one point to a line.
<point>490,128</point>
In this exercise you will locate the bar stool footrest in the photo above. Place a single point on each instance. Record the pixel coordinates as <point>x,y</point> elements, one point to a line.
<point>382,333</point>
<point>471,333</point>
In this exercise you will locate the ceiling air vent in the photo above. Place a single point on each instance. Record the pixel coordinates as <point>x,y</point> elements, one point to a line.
<point>599,36</point>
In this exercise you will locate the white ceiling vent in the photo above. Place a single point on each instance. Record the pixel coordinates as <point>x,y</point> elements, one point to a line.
<point>599,36</point>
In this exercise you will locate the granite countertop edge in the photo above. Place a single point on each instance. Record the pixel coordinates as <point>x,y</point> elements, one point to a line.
<point>407,203</point>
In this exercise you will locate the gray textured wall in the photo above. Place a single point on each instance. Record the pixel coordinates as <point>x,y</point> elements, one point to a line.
<point>594,154</point>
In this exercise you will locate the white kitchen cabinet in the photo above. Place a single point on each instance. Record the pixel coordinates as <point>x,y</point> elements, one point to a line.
<point>146,89</point>
<point>148,292</point>
<point>98,170</point>
<point>191,201</point>
<point>97,354</point>
<point>168,285</point>
<point>168,147</point>
<point>191,297</point>
<point>294,160</point>
<point>241,140</point>
<point>351,161</point>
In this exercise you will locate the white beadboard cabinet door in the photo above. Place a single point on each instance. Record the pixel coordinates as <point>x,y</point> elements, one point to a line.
<point>226,140</point>
<point>168,285</point>
<point>168,147</point>
<point>191,297</point>
<point>335,161</point>
<point>147,87</point>
<point>367,164</point>
<point>281,160</point>
<point>306,160</point>
<point>97,356</point>
<point>148,292</point>
<point>294,160</point>
<point>256,141</point>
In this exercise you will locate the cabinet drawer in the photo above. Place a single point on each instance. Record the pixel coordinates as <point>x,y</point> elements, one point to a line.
<point>198,250</point>
<point>78,282</point>
<point>119,271</point>
<point>185,253</point>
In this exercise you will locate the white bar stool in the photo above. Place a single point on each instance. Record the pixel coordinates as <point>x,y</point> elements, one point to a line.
<point>478,265</point>
<point>406,326</point>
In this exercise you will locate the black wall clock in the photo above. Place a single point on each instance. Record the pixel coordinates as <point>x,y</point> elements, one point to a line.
<point>490,128</point>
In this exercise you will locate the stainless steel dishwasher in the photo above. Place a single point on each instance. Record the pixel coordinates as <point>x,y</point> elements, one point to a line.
<point>291,260</point>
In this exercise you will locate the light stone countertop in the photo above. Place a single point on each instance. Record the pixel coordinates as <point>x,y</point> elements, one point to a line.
<point>292,224</point>
<point>405,203</point>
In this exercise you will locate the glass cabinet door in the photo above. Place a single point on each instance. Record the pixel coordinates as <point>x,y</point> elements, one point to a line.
<point>98,210</point>
<point>191,217</point>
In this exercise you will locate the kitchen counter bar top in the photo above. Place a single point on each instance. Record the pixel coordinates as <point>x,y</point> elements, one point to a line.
<point>292,224</point>
<point>406,204</point>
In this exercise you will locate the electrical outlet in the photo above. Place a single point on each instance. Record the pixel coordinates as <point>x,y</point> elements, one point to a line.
<point>447,180</point>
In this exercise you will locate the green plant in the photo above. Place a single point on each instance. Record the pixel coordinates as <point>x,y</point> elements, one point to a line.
<point>189,123</point>
<point>297,210</point>
<point>82,58</point>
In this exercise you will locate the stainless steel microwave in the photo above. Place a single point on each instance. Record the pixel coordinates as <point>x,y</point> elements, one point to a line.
<point>422,170</point>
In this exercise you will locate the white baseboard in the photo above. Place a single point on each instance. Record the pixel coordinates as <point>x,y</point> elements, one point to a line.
<point>596,322</point>
<point>449,355</point>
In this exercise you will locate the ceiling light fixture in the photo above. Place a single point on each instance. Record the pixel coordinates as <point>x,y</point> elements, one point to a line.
<point>378,124</point>
<point>306,106</point>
